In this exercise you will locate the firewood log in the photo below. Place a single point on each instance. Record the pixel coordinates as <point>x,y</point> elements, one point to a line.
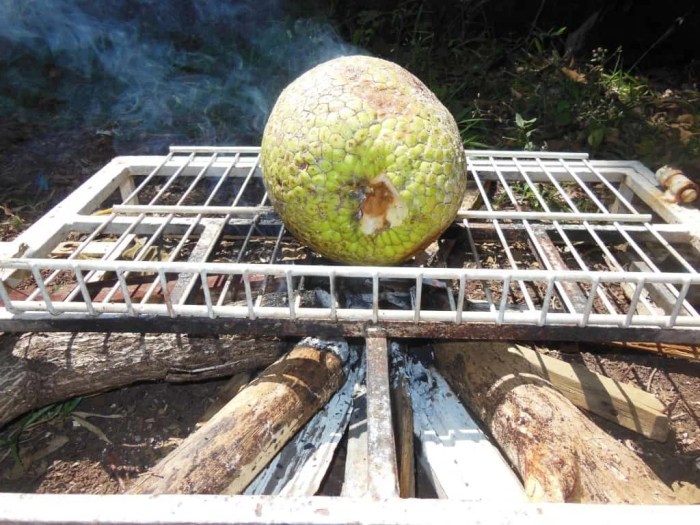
<point>230,449</point>
<point>37,369</point>
<point>559,453</point>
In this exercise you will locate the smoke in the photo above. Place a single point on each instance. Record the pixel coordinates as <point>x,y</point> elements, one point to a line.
<point>155,72</point>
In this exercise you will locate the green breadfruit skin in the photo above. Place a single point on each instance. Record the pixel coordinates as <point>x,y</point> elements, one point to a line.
<point>362,162</point>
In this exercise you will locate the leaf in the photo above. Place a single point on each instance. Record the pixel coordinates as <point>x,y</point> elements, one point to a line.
<point>85,415</point>
<point>596,136</point>
<point>90,427</point>
<point>574,75</point>
<point>519,120</point>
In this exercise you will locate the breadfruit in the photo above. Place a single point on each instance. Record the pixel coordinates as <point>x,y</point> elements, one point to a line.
<point>362,162</point>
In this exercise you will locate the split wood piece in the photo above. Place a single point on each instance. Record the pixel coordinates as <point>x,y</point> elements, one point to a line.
<point>300,467</point>
<point>37,369</point>
<point>356,479</point>
<point>383,479</point>
<point>560,454</point>
<point>234,446</point>
<point>403,423</point>
<point>624,404</point>
<point>458,457</point>
<point>691,352</point>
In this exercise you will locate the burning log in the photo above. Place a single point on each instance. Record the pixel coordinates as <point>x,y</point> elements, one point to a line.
<point>37,369</point>
<point>234,446</point>
<point>559,453</point>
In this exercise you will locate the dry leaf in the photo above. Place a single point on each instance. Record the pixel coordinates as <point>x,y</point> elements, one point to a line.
<point>91,428</point>
<point>687,119</point>
<point>574,75</point>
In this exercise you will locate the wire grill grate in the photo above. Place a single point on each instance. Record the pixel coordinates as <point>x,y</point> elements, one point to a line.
<point>547,245</point>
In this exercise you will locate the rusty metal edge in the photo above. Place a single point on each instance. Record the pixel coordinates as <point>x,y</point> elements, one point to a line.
<point>395,329</point>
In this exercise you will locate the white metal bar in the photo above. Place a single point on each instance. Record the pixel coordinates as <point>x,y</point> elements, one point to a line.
<point>545,303</point>
<point>37,310</point>
<point>83,289</point>
<point>634,301</point>
<point>84,509</point>
<point>591,299</point>
<point>460,297</point>
<point>5,297</point>
<point>125,292</point>
<point>290,295</point>
<point>462,214</point>
<point>207,294</point>
<point>419,297</point>
<point>215,149</point>
<point>249,294</point>
<point>477,153</point>
<point>383,480</point>
<point>552,216</point>
<point>375,297</point>
<point>42,289</point>
<point>679,303</point>
<point>333,296</point>
<point>504,300</point>
<point>384,272</point>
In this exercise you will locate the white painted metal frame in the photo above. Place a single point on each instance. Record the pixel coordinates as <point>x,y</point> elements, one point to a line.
<point>195,193</point>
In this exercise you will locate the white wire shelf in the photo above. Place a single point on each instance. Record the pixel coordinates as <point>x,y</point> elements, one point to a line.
<point>549,241</point>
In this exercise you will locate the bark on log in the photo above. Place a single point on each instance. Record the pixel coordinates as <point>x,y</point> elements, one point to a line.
<point>37,369</point>
<point>229,450</point>
<point>559,453</point>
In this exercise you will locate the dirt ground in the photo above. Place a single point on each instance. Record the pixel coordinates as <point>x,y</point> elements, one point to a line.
<point>119,434</point>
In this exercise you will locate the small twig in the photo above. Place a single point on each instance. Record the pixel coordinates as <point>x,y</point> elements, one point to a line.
<point>651,378</point>
<point>533,25</point>
<point>671,406</point>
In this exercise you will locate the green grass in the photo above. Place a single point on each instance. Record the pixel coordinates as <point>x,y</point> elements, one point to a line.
<point>18,434</point>
<point>523,93</point>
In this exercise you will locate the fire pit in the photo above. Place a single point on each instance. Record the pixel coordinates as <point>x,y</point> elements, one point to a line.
<point>547,246</point>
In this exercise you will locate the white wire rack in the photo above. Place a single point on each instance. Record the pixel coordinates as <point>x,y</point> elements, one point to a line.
<point>551,246</point>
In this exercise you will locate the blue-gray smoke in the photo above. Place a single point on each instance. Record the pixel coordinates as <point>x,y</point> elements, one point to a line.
<point>155,72</point>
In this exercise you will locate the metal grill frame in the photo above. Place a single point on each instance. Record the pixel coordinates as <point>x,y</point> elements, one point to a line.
<point>375,324</point>
<point>575,320</point>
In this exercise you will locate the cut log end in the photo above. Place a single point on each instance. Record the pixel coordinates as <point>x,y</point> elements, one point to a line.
<point>559,453</point>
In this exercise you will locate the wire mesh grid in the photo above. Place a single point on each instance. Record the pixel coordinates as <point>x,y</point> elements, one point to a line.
<point>543,240</point>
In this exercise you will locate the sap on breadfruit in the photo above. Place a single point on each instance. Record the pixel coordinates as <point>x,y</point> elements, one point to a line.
<point>362,162</point>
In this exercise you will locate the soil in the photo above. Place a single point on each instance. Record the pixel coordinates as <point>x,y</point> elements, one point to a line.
<point>103,442</point>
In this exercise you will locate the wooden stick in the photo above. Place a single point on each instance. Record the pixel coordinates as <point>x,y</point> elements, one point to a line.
<point>691,352</point>
<point>356,480</point>
<point>238,442</point>
<point>558,452</point>
<point>624,404</point>
<point>37,369</point>
<point>403,422</point>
